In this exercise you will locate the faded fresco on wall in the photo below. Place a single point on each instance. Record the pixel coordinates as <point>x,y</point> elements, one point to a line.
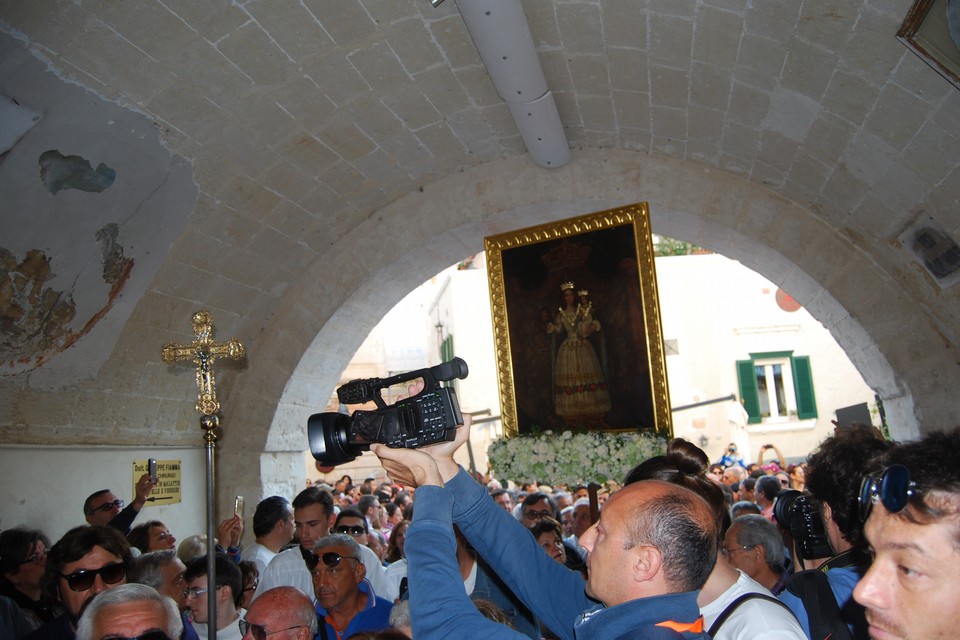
<point>35,318</point>
<point>92,202</point>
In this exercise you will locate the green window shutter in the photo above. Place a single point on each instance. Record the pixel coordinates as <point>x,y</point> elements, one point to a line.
<point>747,375</point>
<point>446,354</point>
<point>803,385</point>
<point>446,348</point>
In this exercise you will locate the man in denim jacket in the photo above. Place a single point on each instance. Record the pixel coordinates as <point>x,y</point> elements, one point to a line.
<point>650,553</point>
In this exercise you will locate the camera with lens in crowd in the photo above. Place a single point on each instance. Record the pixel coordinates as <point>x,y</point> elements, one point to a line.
<point>430,416</point>
<point>799,513</point>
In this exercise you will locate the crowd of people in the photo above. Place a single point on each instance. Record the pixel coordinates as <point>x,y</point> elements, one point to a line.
<point>859,540</point>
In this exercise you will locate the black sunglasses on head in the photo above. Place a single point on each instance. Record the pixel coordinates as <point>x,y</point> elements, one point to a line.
<point>83,579</point>
<point>892,487</point>
<point>330,558</point>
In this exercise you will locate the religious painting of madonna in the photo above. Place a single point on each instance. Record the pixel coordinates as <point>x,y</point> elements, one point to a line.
<point>576,323</point>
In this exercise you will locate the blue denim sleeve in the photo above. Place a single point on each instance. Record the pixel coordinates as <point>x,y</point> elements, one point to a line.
<point>439,605</point>
<point>552,592</point>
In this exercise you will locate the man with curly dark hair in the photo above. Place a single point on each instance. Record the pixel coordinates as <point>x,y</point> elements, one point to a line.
<point>912,512</point>
<point>833,477</point>
<point>86,561</point>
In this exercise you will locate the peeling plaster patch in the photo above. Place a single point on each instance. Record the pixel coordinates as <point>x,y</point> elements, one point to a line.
<point>58,172</point>
<point>34,319</point>
<point>115,266</point>
<point>791,113</point>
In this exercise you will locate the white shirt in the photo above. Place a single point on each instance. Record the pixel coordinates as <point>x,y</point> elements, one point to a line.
<point>229,632</point>
<point>259,555</point>
<point>394,573</point>
<point>753,619</point>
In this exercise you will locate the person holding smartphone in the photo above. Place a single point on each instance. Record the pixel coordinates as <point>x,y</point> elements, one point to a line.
<point>103,508</point>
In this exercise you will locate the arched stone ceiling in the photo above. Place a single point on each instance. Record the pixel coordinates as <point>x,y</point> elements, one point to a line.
<point>340,146</point>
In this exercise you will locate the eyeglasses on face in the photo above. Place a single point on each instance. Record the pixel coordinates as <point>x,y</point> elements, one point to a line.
<point>194,592</point>
<point>726,551</point>
<point>252,586</point>
<point>37,557</point>
<point>258,632</point>
<point>330,558</point>
<point>149,635</point>
<point>537,515</point>
<point>107,506</point>
<point>83,579</point>
<point>892,487</point>
<point>355,530</point>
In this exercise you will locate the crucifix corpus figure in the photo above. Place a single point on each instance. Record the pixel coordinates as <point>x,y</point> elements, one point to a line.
<point>203,351</point>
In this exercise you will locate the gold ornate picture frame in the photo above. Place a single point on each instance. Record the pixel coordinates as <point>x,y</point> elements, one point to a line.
<point>926,31</point>
<point>595,362</point>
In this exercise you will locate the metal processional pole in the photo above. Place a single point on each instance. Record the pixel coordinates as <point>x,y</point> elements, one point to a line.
<point>203,351</point>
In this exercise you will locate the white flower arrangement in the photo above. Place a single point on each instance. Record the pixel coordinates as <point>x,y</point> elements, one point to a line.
<point>572,458</point>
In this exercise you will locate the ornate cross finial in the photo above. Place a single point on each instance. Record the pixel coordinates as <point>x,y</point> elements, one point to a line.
<point>203,351</point>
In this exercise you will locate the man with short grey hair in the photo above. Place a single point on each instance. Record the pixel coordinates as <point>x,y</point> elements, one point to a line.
<point>164,571</point>
<point>754,545</point>
<point>130,611</point>
<point>346,602</point>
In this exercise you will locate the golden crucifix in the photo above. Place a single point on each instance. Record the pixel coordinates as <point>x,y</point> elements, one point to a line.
<point>203,351</point>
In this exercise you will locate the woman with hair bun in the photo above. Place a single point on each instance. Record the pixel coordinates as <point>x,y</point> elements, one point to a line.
<point>760,616</point>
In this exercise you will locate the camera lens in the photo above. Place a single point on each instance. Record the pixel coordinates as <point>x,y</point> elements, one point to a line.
<point>329,440</point>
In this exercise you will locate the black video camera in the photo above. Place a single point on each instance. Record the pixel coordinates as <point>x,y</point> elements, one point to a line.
<point>799,513</point>
<point>431,416</point>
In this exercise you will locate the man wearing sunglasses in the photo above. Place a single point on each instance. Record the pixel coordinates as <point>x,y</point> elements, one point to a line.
<point>83,563</point>
<point>346,603</point>
<point>131,611</point>
<point>105,509</point>
<point>833,479</point>
<point>912,511</point>
<point>312,514</point>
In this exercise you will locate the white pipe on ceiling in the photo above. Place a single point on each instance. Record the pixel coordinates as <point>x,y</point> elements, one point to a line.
<point>502,35</point>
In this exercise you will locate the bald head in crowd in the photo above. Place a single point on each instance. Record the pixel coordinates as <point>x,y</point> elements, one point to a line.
<point>283,609</point>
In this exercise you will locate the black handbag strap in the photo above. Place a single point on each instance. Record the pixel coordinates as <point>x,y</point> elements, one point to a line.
<point>726,613</point>
<point>823,613</point>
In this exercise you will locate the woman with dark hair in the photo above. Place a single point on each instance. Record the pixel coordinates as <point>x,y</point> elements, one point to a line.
<point>23,558</point>
<point>798,475</point>
<point>759,615</point>
<point>152,535</point>
<point>395,543</point>
<point>549,535</point>
<point>390,517</point>
<point>396,561</point>
<point>250,580</point>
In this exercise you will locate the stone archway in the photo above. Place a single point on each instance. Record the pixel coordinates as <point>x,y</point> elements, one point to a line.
<point>344,293</point>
